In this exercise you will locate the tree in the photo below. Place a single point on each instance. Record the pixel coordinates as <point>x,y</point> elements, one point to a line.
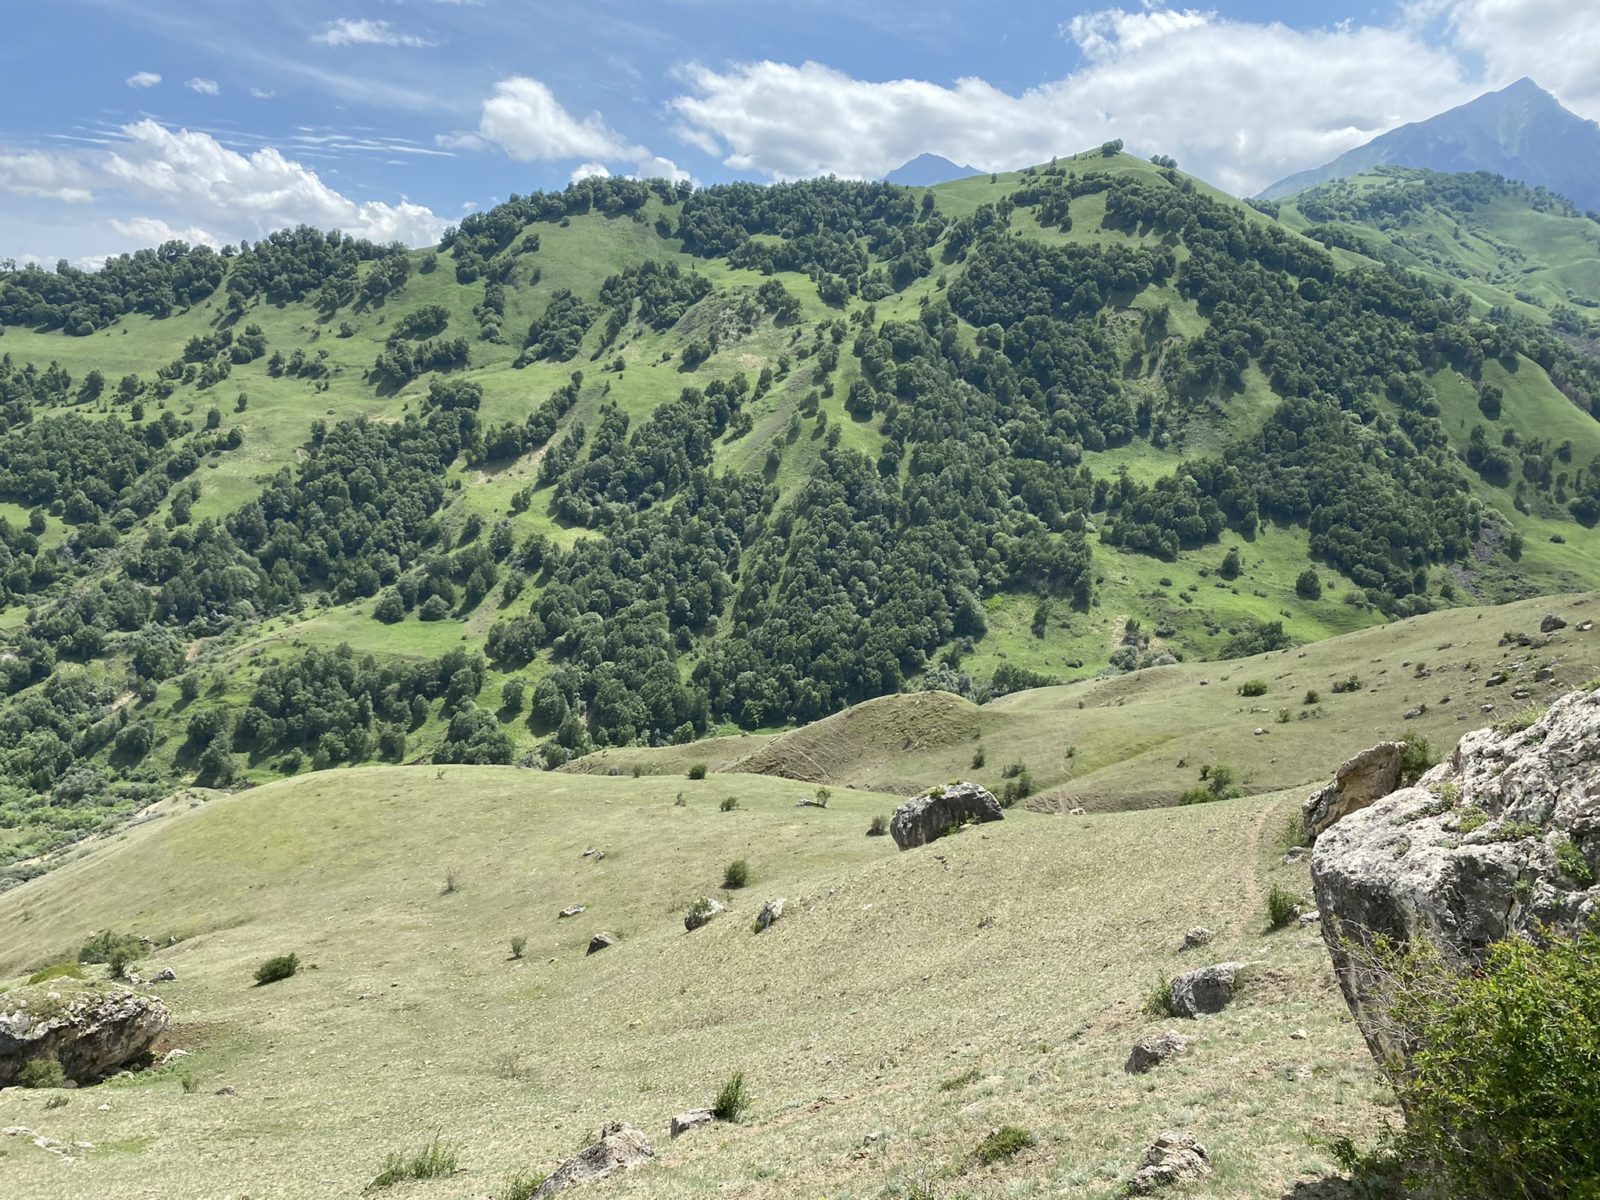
<point>1232,564</point>
<point>1307,585</point>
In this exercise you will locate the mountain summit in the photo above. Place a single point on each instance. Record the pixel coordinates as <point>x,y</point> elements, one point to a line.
<point>1521,132</point>
<point>927,170</point>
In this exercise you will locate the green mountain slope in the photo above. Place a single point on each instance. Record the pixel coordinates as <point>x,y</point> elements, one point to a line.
<point>1504,244</point>
<point>633,464</point>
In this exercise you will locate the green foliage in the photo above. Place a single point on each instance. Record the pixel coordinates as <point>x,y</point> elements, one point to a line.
<point>955,1082</point>
<point>879,826</point>
<point>1350,683</point>
<point>118,950</point>
<point>1312,697</point>
<point>280,966</point>
<point>1283,906</point>
<point>521,1186</point>
<point>1253,687</point>
<point>59,971</point>
<point>1524,718</point>
<point>433,1161</point>
<point>41,1073</point>
<point>697,771</point>
<point>1217,783</point>
<point>729,803</point>
<point>518,945</point>
<point>1498,1092</point>
<point>736,875</point>
<point>1308,585</point>
<point>1416,757</point>
<point>733,1099</point>
<point>1158,1000</point>
<point>1003,1143</point>
<point>1570,858</point>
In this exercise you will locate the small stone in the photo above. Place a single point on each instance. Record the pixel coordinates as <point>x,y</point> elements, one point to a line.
<point>1310,918</point>
<point>1197,937</point>
<point>225,1090</point>
<point>1551,623</point>
<point>701,912</point>
<point>872,1138</point>
<point>600,941</point>
<point>693,1119</point>
<point>172,1056</point>
<point>1411,714</point>
<point>1258,731</point>
<point>771,912</point>
<point>572,910</point>
<point>1294,854</point>
<point>1174,1158</point>
<point>165,975</point>
<point>1207,990</point>
<point>1077,812</point>
<point>1154,1050</point>
<point>1299,1035</point>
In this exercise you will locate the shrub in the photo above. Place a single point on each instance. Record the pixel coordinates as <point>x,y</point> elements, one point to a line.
<point>1573,864</point>
<point>879,826</point>
<point>733,1100</point>
<point>103,945</point>
<point>1307,585</point>
<point>522,1187</point>
<point>41,1073</point>
<point>1283,906</point>
<point>274,969</point>
<point>1158,1000</point>
<point>1499,1091</point>
<point>1416,756</point>
<point>823,795</point>
<point>518,945</point>
<point>729,804</point>
<point>432,1161</point>
<point>1312,696</point>
<point>737,875</point>
<point>1518,721</point>
<point>1253,687</point>
<point>1350,683</point>
<point>1005,1142</point>
<point>697,771</point>
<point>978,758</point>
<point>59,971</point>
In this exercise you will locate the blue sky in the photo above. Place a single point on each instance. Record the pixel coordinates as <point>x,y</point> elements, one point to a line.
<point>128,121</point>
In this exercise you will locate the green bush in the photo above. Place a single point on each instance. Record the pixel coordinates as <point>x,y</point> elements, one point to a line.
<point>1571,861</point>
<point>432,1161</point>
<point>879,826</point>
<point>697,771</point>
<point>518,944</point>
<point>1158,1000</point>
<point>729,804</point>
<point>733,1100</point>
<point>103,946</point>
<point>1416,756</point>
<point>1283,906</point>
<point>274,969</point>
<point>1312,696</point>
<point>1523,719</point>
<point>737,874</point>
<point>41,1073</point>
<point>1005,1142</point>
<point>59,971</point>
<point>522,1187</point>
<point>1350,683</point>
<point>1500,1091</point>
<point>1253,687</point>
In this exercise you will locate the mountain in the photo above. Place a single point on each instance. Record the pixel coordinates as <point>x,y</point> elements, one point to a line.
<point>926,170</point>
<point>1521,132</point>
<point>635,464</point>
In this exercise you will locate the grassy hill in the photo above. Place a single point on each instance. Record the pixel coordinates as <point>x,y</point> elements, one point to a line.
<point>1012,430</point>
<point>1142,739</point>
<point>1040,937</point>
<point>1502,243</point>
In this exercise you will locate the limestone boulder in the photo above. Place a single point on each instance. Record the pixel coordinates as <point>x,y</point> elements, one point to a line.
<point>90,1032</point>
<point>1369,776</point>
<point>1500,840</point>
<point>620,1148</point>
<point>937,811</point>
<point>1174,1158</point>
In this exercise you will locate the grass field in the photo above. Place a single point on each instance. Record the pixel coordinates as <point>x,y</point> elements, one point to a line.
<point>994,978</point>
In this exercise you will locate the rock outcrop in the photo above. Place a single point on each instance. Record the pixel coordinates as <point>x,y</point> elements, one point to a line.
<point>701,912</point>
<point>601,941</point>
<point>620,1148</point>
<point>1207,990</point>
<point>1174,1158</point>
<point>771,913</point>
<point>1369,776</point>
<point>939,810</point>
<point>1154,1050</point>
<point>1502,839</point>
<point>90,1033</point>
<point>693,1119</point>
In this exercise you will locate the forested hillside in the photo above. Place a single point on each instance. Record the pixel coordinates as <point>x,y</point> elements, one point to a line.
<point>633,463</point>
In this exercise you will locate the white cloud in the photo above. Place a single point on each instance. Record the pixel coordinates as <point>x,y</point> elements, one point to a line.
<point>1240,103</point>
<point>656,167</point>
<point>354,31</point>
<point>1556,42</point>
<point>206,87</point>
<point>45,176</point>
<point>152,231</point>
<point>143,79</point>
<point>205,182</point>
<point>524,118</point>
<point>260,94</point>
<point>590,171</point>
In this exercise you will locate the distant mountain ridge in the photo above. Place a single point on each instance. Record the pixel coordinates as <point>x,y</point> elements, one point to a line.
<point>926,170</point>
<point>1521,132</point>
